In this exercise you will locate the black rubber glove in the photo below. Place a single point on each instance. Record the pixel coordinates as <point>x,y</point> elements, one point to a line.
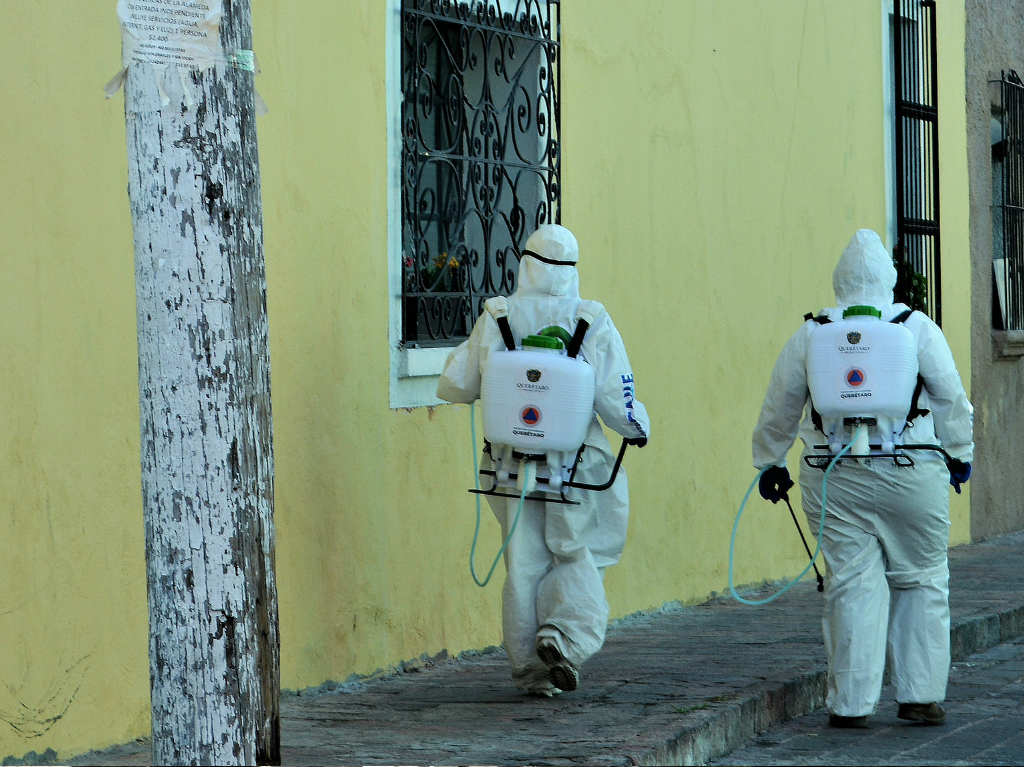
<point>959,473</point>
<point>636,441</point>
<point>775,483</point>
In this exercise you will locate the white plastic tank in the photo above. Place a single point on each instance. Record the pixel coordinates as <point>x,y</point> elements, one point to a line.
<point>536,398</point>
<point>862,367</point>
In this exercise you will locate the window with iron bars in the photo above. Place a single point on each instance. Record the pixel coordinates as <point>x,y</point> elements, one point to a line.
<point>480,154</point>
<point>916,142</point>
<point>1008,203</point>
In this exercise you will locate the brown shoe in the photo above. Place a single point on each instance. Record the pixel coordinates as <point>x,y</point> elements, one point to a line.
<point>928,713</point>
<point>563,674</point>
<point>849,722</point>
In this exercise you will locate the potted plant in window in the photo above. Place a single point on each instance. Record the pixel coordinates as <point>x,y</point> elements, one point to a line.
<point>441,275</point>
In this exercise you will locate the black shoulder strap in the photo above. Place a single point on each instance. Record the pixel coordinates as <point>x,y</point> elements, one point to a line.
<point>506,333</point>
<point>901,317</point>
<point>816,420</point>
<point>821,319</point>
<point>915,410</point>
<point>577,337</point>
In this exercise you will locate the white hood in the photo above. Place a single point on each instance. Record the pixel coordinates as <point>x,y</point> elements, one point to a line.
<point>865,274</point>
<point>548,294</point>
<point>536,277</point>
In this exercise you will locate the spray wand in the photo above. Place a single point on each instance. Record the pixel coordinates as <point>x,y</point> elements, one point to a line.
<point>813,556</point>
<point>821,581</point>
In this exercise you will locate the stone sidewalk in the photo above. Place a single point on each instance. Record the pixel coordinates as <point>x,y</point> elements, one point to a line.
<point>675,686</point>
<point>985,725</point>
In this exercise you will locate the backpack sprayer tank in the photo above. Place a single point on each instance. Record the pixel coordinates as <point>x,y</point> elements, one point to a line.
<point>537,402</point>
<point>537,399</point>
<point>861,370</point>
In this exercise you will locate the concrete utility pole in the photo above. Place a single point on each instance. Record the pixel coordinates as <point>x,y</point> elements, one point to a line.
<point>204,400</point>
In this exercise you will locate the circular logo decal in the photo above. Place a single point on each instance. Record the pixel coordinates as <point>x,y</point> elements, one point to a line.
<point>530,415</point>
<point>855,376</point>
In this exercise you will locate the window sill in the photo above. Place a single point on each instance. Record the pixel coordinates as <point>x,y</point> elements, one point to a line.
<point>1008,343</point>
<point>423,362</point>
<point>414,376</point>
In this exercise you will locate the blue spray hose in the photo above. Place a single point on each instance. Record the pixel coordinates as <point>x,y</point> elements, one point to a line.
<point>476,529</point>
<point>817,548</point>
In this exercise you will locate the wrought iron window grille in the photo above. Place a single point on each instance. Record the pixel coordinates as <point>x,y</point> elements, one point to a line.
<point>481,158</point>
<point>916,142</point>
<point>1008,203</point>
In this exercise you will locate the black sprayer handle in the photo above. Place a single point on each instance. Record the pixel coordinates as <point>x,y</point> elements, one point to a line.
<point>611,479</point>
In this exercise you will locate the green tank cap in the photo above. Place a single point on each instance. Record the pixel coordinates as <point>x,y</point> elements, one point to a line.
<point>542,342</point>
<point>556,331</point>
<point>861,311</point>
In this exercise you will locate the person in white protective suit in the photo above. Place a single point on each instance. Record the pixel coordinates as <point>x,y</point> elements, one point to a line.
<point>554,611</point>
<point>886,528</point>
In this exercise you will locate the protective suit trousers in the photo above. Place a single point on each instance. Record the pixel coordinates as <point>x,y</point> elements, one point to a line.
<point>885,547</point>
<point>553,588</point>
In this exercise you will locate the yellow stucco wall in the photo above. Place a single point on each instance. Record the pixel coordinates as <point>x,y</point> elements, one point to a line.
<point>730,152</point>
<point>73,667</point>
<point>742,150</point>
<point>717,156</point>
<point>372,532</point>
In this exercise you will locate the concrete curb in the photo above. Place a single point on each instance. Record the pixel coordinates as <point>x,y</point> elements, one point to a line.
<point>971,635</point>
<point>723,728</point>
<point>734,723</point>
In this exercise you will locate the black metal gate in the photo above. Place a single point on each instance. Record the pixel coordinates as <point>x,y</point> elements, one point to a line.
<point>1008,207</point>
<point>480,154</point>
<point>917,156</point>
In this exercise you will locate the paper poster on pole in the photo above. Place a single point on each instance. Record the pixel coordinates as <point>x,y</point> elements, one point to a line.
<point>182,32</point>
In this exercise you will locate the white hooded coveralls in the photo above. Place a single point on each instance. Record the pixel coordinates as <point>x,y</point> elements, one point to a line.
<point>886,528</point>
<point>556,557</point>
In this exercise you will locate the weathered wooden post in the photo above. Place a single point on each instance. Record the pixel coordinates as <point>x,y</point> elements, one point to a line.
<point>204,381</point>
